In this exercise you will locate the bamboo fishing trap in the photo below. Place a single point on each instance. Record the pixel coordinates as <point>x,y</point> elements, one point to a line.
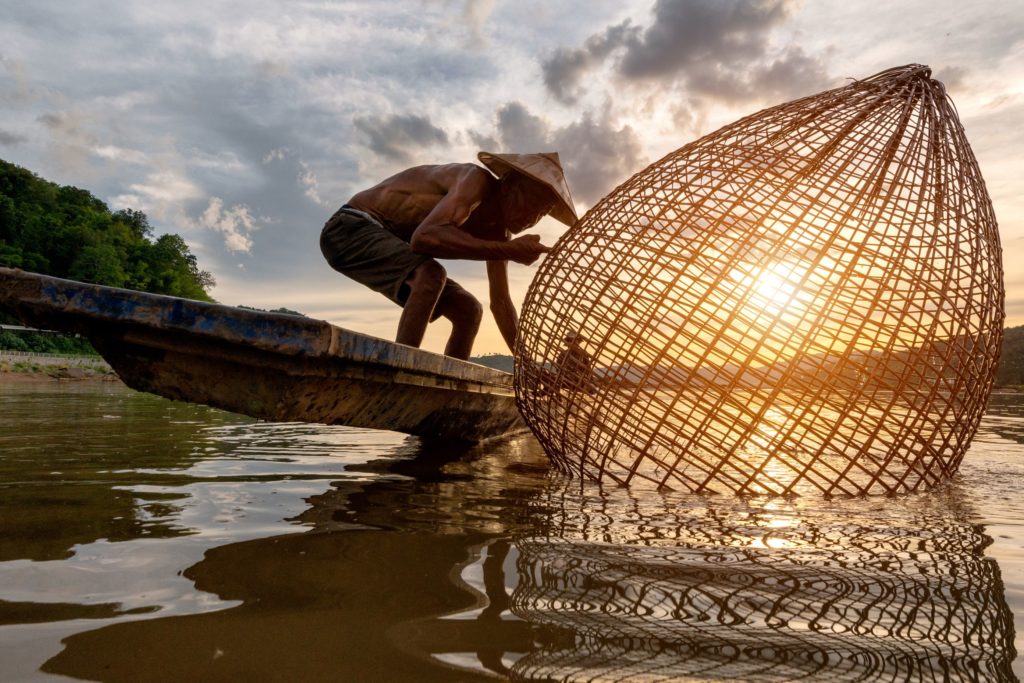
<point>809,299</point>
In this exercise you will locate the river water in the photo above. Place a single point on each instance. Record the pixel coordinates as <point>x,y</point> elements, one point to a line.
<point>147,540</point>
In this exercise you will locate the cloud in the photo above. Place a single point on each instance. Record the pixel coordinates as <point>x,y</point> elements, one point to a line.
<point>953,77</point>
<point>397,137</point>
<point>268,69</point>
<point>22,91</point>
<point>11,139</point>
<point>276,154</point>
<point>308,180</point>
<point>566,68</point>
<point>167,186</point>
<point>521,130</point>
<point>701,34</point>
<point>476,13</point>
<point>706,49</point>
<point>596,152</point>
<point>71,143</point>
<point>598,155</point>
<point>119,154</point>
<point>61,122</point>
<point>235,224</point>
<point>791,74</point>
<point>222,162</point>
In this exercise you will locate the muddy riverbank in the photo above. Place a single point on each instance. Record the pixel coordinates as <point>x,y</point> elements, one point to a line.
<point>17,366</point>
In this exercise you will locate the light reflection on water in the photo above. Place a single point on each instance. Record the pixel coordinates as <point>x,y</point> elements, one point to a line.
<point>142,539</point>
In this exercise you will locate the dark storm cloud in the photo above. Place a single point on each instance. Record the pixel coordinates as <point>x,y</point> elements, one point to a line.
<point>397,137</point>
<point>792,74</point>
<point>564,70</point>
<point>688,33</point>
<point>598,156</point>
<point>596,153</point>
<point>521,130</point>
<point>718,49</point>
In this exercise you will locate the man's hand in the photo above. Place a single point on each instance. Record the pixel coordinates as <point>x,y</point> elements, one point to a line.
<point>525,249</point>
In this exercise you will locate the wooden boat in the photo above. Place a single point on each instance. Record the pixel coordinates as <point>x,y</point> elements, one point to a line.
<point>273,366</point>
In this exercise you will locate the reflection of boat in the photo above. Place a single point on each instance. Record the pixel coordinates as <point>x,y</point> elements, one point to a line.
<point>360,597</point>
<point>269,365</point>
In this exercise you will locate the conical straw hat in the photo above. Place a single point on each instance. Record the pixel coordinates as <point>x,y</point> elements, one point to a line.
<point>544,167</point>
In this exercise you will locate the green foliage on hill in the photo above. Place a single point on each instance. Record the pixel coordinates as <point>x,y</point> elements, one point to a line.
<point>286,311</point>
<point>66,232</point>
<point>495,360</point>
<point>35,342</point>
<point>1011,363</point>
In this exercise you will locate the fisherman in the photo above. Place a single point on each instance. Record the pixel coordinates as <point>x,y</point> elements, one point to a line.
<point>575,366</point>
<point>572,371</point>
<point>388,237</point>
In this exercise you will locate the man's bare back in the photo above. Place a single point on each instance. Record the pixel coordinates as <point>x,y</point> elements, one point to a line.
<point>453,211</point>
<point>405,199</point>
<point>449,211</point>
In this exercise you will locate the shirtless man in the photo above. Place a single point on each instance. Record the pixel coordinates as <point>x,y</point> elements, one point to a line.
<point>388,237</point>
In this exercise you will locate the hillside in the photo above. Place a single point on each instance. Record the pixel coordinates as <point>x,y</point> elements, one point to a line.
<point>494,360</point>
<point>67,232</point>
<point>1009,373</point>
<point>1011,363</point>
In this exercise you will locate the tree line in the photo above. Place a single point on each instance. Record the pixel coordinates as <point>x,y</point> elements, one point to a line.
<point>66,232</point>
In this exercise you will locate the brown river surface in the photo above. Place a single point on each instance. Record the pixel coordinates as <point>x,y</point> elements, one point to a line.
<point>147,540</point>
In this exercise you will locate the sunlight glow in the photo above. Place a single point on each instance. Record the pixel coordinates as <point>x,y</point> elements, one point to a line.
<point>772,293</point>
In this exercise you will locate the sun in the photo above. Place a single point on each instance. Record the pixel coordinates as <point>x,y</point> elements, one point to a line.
<point>774,289</point>
<point>771,291</point>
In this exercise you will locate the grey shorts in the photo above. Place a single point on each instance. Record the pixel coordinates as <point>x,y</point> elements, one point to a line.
<point>359,247</point>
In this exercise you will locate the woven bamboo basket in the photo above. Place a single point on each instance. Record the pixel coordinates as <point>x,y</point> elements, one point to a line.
<point>807,300</point>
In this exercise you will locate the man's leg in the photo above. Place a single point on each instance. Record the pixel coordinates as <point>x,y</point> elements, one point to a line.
<point>465,314</point>
<point>425,286</point>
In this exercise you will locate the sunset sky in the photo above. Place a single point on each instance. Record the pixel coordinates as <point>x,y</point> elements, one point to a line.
<point>243,125</point>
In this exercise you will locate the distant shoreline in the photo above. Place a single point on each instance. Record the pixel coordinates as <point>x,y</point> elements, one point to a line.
<point>20,367</point>
<point>44,378</point>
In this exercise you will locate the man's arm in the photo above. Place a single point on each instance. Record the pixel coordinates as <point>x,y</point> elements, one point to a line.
<point>439,235</point>
<point>502,308</point>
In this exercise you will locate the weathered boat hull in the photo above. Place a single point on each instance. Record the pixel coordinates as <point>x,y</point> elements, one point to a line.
<point>272,366</point>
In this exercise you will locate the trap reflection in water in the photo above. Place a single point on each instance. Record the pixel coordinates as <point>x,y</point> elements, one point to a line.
<point>863,592</point>
<point>779,450</point>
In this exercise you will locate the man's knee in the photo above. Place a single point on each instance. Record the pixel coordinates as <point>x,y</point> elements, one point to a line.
<point>461,307</point>
<point>429,277</point>
<point>474,311</point>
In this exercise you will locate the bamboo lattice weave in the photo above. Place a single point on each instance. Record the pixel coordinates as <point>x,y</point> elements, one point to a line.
<point>809,299</point>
